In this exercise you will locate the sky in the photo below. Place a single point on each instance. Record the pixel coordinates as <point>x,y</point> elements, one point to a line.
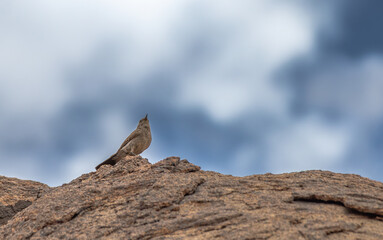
<point>239,87</point>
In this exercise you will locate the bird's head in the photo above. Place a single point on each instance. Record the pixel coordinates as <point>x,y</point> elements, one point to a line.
<point>144,122</point>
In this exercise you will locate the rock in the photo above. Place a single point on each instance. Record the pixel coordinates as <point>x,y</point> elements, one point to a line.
<point>174,199</point>
<point>15,195</point>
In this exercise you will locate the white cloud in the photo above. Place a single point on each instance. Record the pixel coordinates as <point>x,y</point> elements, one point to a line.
<point>307,144</point>
<point>41,40</point>
<point>352,88</point>
<point>258,37</point>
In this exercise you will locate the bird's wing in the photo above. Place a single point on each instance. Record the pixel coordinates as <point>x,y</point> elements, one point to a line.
<point>134,134</point>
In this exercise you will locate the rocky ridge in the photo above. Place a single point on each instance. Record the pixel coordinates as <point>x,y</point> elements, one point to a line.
<point>174,199</point>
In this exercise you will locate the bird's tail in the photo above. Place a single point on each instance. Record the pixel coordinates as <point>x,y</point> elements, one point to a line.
<point>111,161</point>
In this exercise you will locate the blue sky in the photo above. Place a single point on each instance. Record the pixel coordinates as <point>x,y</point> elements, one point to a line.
<point>240,87</point>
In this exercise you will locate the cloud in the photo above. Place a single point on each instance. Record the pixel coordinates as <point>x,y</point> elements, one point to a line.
<point>346,92</point>
<point>239,74</point>
<point>350,88</point>
<point>356,32</point>
<point>77,76</point>
<point>309,143</point>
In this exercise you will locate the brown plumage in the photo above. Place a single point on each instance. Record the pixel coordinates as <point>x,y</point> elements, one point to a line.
<point>137,142</point>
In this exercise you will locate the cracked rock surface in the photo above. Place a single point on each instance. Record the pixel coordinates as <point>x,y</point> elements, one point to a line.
<point>174,199</point>
<point>16,194</point>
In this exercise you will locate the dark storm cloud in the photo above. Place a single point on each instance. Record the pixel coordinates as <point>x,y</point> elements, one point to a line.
<point>358,30</point>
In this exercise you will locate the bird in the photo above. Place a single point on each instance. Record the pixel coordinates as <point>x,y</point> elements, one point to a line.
<point>137,142</point>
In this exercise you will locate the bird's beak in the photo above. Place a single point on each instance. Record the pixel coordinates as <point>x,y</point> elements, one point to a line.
<point>146,117</point>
